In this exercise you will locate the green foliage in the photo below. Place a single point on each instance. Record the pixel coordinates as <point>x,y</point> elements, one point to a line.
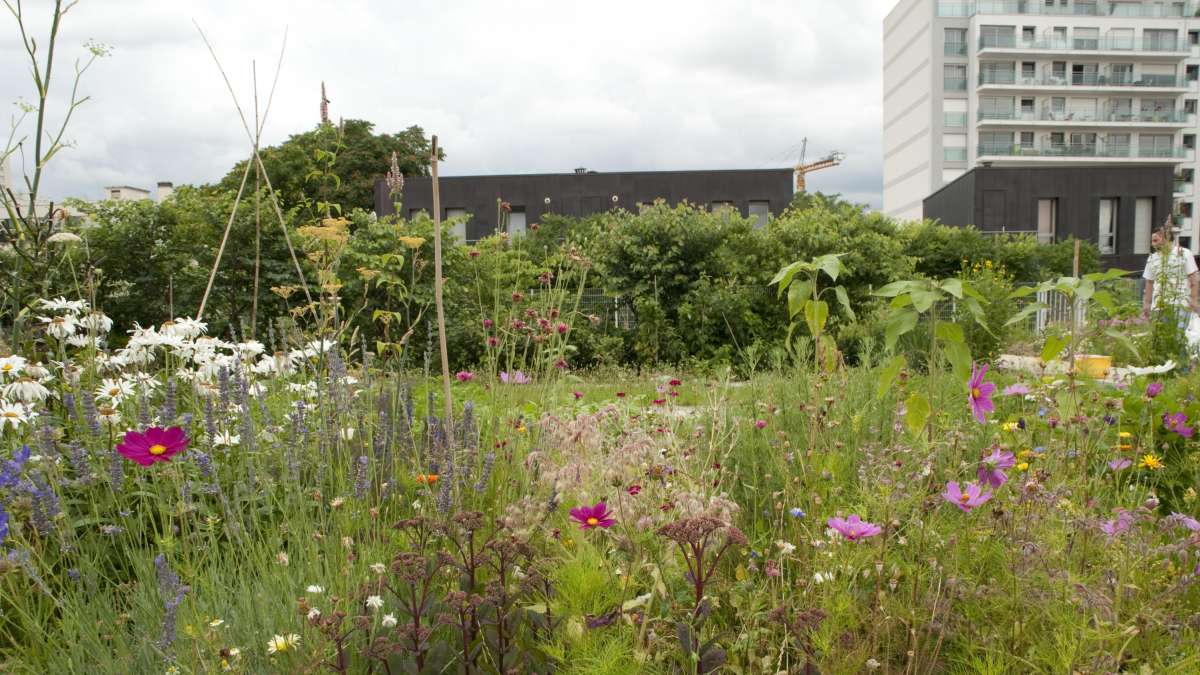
<point>362,157</point>
<point>940,251</point>
<point>994,283</point>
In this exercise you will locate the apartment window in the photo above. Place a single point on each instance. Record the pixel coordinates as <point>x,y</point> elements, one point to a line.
<point>1058,37</point>
<point>1193,72</point>
<point>115,194</point>
<point>954,77</point>
<point>1160,40</point>
<point>1028,70</point>
<point>1083,143</point>
<point>1155,145</point>
<point>1085,7</point>
<point>997,73</point>
<point>1194,37</point>
<point>1058,107</point>
<point>1121,73</point>
<point>516,221</point>
<point>1086,38</point>
<point>1189,106</point>
<point>1027,108</point>
<point>1157,75</point>
<point>1120,38</point>
<point>1106,231</point>
<point>1189,141</point>
<point>955,40</point>
<point>760,212</point>
<point>997,36</point>
<point>995,142</point>
<point>1081,109</point>
<point>1120,109</point>
<point>954,154</point>
<point>1026,140</point>
<point>1028,34</point>
<point>1143,217</point>
<point>723,208</point>
<point>1047,220</point>
<point>1058,72</point>
<point>1085,73</point>
<point>458,217</point>
<point>995,108</point>
<point>1117,145</point>
<point>954,120</point>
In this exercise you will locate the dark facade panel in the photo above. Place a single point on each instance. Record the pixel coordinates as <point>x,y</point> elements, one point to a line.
<point>1006,199</point>
<point>581,194</point>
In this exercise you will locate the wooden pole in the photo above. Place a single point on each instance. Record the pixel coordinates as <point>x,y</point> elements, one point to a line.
<point>1075,264</point>
<point>212,275</point>
<point>257,208</point>
<point>448,404</point>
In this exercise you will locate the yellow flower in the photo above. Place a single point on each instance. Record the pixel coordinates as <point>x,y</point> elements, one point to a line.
<point>1022,466</point>
<point>216,622</point>
<point>1009,426</point>
<point>282,643</point>
<point>1125,447</point>
<point>1025,454</point>
<point>521,429</point>
<point>1151,461</point>
<point>1126,434</point>
<point>412,242</point>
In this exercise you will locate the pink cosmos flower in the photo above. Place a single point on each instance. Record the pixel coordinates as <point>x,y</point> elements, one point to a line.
<point>153,445</point>
<point>991,470</point>
<point>465,376</point>
<point>1118,526</point>
<point>965,500</point>
<point>854,528</point>
<point>1175,423</point>
<point>517,377</point>
<point>979,393</point>
<point>1120,463</point>
<point>1018,389</point>
<point>589,517</point>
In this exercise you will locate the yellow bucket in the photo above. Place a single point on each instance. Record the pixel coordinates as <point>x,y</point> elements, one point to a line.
<point>1093,365</point>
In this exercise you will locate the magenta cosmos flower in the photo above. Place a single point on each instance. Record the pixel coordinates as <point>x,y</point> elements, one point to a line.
<point>854,528</point>
<point>465,376</point>
<point>589,517</point>
<point>1176,422</point>
<point>153,445</point>
<point>979,393</point>
<point>991,469</point>
<point>965,499</point>
<point>1017,389</point>
<point>1154,389</point>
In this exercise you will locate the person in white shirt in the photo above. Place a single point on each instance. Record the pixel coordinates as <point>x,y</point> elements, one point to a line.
<point>1172,278</point>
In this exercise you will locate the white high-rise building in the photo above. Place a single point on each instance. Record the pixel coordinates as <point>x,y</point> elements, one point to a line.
<point>1038,83</point>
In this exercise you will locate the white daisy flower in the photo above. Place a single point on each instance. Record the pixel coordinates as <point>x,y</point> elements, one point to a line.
<point>26,390</point>
<point>226,439</point>
<point>114,390</point>
<point>314,589</point>
<point>374,602</point>
<point>13,414</point>
<point>11,366</point>
<point>389,621</point>
<point>282,643</point>
<point>61,327</point>
<point>96,322</point>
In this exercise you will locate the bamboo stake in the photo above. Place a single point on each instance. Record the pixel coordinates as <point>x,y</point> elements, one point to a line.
<point>212,275</point>
<point>257,207</point>
<point>258,160</point>
<point>437,291</point>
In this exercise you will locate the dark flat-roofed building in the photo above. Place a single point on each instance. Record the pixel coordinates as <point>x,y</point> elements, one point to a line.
<point>755,193</point>
<point>1115,207</point>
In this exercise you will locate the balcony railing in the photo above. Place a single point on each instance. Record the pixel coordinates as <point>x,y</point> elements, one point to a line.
<point>954,83</point>
<point>1083,80</point>
<point>954,120</point>
<point>1160,117</point>
<point>954,154</point>
<point>966,8</point>
<point>1082,150</point>
<point>955,48</point>
<point>1105,44</point>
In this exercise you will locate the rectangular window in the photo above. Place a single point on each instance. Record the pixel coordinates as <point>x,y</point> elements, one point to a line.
<point>1028,70</point>
<point>459,224</point>
<point>1155,145</point>
<point>1117,145</point>
<point>1058,37</point>
<point>1120,73</point>
<point>954,77</point>
<point>516,221</point>
<point>995,107</point>
<point>1189,106</point>
<point>1026,140</point>
<point>1143,216</point>
<point>1160,40</point>
<point>760,213</point>
<point>1028,108</point>
<point>1047,220</point>
<point>955,40</point>
<point>1085,74</point>
<point>1120,38</point>
<point>997,36</point>
<point>1106,232</point>
<point>996,143</point>
<point>1086,38</point>
<point>1120,109</point>
<point>1085,7</point>
<point>1028,34</point>
<point>1058,72</point>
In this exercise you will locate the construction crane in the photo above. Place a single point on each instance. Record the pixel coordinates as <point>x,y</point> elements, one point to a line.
<point>832,159</point>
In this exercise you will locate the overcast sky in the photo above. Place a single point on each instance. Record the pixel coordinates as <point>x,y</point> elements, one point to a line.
<point>509,87</point>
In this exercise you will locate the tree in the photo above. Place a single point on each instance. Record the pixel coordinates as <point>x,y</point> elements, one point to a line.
<point>297,166</point>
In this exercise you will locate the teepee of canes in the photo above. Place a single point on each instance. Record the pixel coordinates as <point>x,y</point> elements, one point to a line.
<point>260,173</point>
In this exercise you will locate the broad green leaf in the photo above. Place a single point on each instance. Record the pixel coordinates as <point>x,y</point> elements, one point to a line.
<point>844,299</point>
<point>1023,292</point>
<point>976,311</point>
<point>953,287</point>
<point>830,264</point>
<point>916,413</point>
<point>1086,288</point>
<point>1025,312</point>
<point>1105,300</point>
<point>889,373</point>
<point>784,276</point>
<point>896,288</point>
<point>816,312</point>
<point>900,323</point>
<point>901,301</point>
<point>798,294</point>
<point>923,299</point>
<point>960,359</point>
<point>948,332</point>
<point>1054,346</point>
<point>1107,275</point>
<point>1124,340</point>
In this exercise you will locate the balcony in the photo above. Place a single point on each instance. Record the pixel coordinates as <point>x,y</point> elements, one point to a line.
<point>1081,81</point>
<point>1084,151</point>
<point>954,83</point>
<point>955,48</point>
<point>1184,188</point>
<point>968,8</point>
<point>1142,47</point>
<point>1165,118</point>
<point>954,120</point>
<point>954,154</point>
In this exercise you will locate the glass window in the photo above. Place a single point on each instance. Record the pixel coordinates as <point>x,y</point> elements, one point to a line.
<point>997,36</point>
<point>1159,40</point>
<point>955,40</point>
<point>760,212</point>
<point>954,77</point>
<point>1027,140</point>
<point>516,221</point>
<point>998,72</point>
<point>1047,220</point>
<point>459,218</point>
<point>1087,38</point>
<point>1106,235</point>
<point>1143,215</point>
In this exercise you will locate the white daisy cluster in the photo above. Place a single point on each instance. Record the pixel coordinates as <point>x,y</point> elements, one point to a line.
<point>22,390</point>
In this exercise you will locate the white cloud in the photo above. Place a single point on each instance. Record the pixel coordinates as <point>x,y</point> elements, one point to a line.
<point>530,86</point>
